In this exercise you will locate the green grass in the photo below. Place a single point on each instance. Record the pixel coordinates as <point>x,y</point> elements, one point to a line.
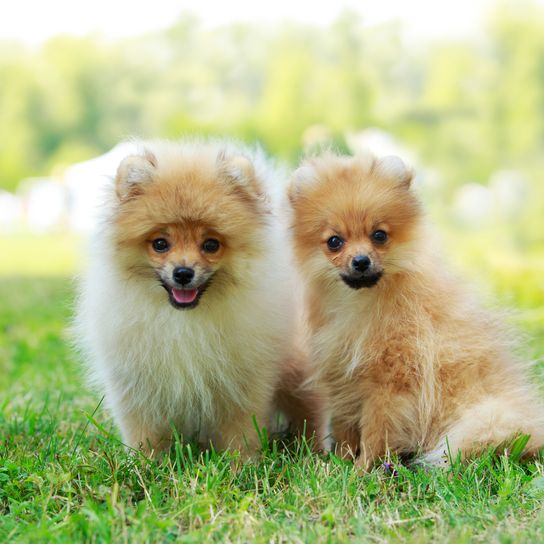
<point>64,476</point>
<point>49,255</point>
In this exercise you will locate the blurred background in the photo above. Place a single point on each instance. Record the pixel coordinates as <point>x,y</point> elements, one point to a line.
<point>457,89</point>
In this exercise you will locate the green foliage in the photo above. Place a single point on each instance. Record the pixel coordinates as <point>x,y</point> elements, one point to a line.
<point>468,108</point>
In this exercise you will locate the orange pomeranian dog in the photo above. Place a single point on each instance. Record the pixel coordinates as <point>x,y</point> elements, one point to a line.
<point>185,311</point>
<point>410,362</point>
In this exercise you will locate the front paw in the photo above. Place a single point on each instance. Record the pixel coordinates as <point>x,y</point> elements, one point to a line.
<point>437,458</point>
<point>363,464</point>
<point>241,459</point>
<point>345,451</point>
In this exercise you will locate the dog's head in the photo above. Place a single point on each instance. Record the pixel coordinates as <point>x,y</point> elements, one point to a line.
<point>187,217</point>
<point>354,218</point>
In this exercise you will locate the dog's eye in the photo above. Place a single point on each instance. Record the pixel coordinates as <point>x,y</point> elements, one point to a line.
<point>160,245</point>
<point>379,236</point>
<point>334,243</point>
<point>211,245</point>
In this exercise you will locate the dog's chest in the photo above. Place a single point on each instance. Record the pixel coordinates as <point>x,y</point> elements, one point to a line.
<point>339,345</point>
<point>177,371</point>
<point>339,357</point>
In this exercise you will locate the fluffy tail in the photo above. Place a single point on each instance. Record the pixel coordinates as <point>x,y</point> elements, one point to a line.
<point>493,422</point>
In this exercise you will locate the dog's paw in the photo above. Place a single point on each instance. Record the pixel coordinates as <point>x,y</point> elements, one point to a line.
<point>437,458</point>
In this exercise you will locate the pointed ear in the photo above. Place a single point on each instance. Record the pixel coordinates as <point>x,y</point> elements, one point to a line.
<point>134,171</point>
<point>302,177</point>
<point>239,173</point>
<point>391,167</point>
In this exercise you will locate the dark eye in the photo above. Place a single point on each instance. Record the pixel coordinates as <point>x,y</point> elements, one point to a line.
<point>160,245</point>
<point>379,236</point>
<point>211,245</point>
<point>335,243</point>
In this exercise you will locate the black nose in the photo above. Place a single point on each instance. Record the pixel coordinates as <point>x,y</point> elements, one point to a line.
<point>360,263</point>
<point>183,275</point>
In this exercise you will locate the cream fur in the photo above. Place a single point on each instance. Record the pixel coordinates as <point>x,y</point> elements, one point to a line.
<point>206,370</point>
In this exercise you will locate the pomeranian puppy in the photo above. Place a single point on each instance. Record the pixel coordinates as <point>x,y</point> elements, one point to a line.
<point>185,312</point>
<point>410,362</point>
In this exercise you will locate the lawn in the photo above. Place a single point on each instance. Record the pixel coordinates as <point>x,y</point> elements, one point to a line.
<point>64,476</point>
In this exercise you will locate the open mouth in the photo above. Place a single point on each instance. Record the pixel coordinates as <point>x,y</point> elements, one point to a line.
<point>184,298</point>
<point>363,281</point>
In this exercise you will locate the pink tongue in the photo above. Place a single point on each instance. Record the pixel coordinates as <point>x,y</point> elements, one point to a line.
<point>184,296</point>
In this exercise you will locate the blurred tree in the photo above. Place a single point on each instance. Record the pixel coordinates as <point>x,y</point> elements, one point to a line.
<point>468,108</point>
<point>18,154</point>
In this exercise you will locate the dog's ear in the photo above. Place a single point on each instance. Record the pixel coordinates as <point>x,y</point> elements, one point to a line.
<point>302,177</point>
<point>393,168</point>
<point>238,173</point>
<point>133,172</point>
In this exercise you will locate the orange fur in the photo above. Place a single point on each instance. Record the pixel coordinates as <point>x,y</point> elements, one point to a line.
<point>412,363</point>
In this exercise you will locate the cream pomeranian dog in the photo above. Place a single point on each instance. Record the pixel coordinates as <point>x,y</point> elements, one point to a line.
<point>185,312</point>
<point>410,362</point>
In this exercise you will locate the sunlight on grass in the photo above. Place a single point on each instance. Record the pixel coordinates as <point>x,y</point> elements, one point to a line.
<point>46,255</point>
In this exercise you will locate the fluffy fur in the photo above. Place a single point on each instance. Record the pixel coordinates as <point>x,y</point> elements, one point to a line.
<point>205,356</point>
<point>409,360</point>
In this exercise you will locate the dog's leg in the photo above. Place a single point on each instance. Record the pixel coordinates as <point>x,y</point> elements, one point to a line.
<point>373,442</point>
<point>152,440</point>
<point>303,404</point>
<point>384,425</point>
<point>238,432</point>
<point>347,439</point>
